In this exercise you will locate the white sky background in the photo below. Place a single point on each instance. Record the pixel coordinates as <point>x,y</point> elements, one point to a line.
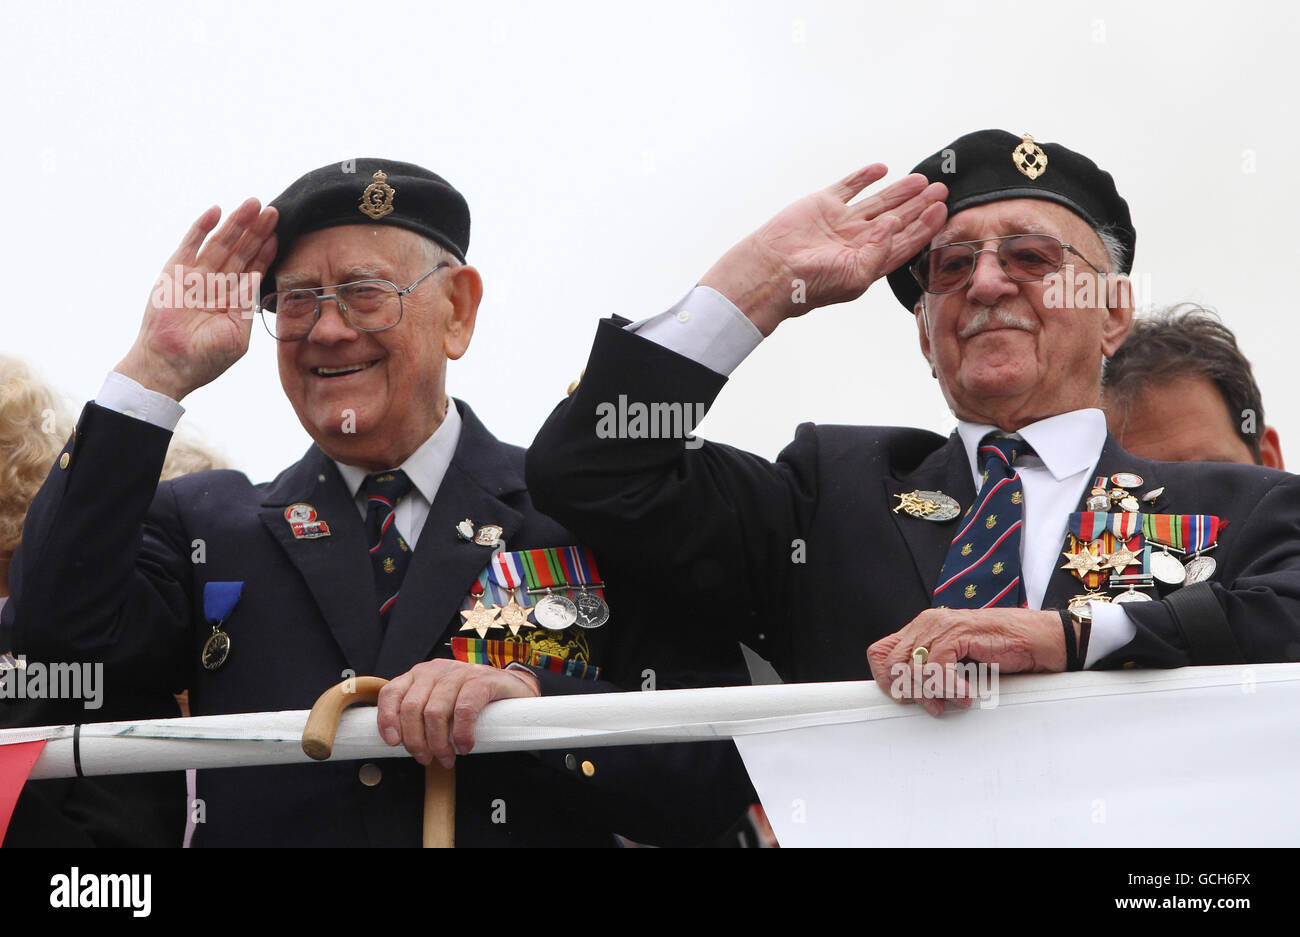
<point>610,153</point>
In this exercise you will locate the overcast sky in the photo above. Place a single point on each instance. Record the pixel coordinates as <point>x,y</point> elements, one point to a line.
<point>610,153</point>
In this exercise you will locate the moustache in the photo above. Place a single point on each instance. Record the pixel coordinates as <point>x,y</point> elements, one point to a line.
<point>997,317</point>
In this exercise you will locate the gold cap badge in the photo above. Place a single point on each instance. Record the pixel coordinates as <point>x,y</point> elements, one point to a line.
<point>377,199</point>
<point>1028,157</point>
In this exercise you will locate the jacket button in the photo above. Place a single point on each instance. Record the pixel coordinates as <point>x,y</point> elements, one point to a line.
<point>570,762</point>
<point>64,460</point>
<point>588,768</point>
<point>370,774</point>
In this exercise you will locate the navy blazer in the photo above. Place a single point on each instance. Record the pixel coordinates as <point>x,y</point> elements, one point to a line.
<point>112,568</point>
<point>811,563</point>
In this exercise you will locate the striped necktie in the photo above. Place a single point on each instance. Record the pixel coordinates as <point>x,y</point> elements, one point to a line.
<point>982,569</point>
<point>389,553</point>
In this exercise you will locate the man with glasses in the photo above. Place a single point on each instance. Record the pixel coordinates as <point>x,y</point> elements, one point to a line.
<point>1027,538</point>
<point>375,554</point>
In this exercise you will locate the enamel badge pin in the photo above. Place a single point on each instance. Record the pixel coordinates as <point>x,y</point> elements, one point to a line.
<point>304,523</point>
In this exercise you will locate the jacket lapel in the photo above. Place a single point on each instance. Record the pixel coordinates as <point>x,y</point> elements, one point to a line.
<point>336,568</point>
<point>443,567</point>
<point>946,470</point>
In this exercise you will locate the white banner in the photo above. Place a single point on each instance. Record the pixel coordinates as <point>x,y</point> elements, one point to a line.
<point>1191,757</point>
<point>1204,756</point>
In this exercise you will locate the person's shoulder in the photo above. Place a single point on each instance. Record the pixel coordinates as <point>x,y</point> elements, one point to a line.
<point>896,448</point>
<point>199,484</point>
<point>1215,474</point>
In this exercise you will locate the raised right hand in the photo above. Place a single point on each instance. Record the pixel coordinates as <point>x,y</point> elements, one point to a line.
<point>823,250</point>
<point>183,345</point>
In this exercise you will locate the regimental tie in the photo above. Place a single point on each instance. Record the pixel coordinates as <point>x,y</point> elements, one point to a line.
<point>982,569</point>
<point>389,553</point>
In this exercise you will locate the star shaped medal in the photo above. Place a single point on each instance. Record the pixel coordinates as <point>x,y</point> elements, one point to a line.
<point>1082,561</point>
<point>513,615</point>
<point>480,619</point>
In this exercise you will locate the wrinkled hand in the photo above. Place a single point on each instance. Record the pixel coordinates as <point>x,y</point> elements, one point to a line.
<point>1018,640</point>
<point>433,707</point>
<point>834,249</point>
<point>191,334</point>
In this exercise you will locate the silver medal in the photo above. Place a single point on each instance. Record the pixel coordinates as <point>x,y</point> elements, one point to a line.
<point>555,612</point>
<point>1200,568</point>
<point>1166,568</point>
<point>1131,595</point>
<point>591,609</point>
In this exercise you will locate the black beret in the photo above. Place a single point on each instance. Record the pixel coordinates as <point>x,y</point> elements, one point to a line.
<point>993,165</point>
<point>371,191</point>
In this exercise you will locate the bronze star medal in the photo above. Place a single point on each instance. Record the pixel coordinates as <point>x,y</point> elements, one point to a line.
<point>1120,559</point>
<point>1081,562</point>
<point>480,619</point>
<point>513,615</point>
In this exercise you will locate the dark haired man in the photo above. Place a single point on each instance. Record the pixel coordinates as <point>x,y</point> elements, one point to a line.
<point>1180,390</point>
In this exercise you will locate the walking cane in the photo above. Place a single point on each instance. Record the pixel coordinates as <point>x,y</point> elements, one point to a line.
<point>439,782</point>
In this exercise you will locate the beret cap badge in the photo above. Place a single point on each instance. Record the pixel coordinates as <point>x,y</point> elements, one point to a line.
<point>377,199</point>
<point>1029,157</point>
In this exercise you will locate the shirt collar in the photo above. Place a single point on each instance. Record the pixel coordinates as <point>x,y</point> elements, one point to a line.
<point>1067,443</point>
<point>427,465</point>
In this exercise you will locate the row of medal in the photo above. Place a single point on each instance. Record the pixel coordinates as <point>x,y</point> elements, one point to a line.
<point>552,588</point>
<point>1104,545</point>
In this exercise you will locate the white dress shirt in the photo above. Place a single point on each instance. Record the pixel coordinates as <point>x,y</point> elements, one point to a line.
<point>708,328</point>
<point>426,466</point>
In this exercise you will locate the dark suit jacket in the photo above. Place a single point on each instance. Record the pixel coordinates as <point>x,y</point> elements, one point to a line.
<point>733,524</point>
<point>112,568</point>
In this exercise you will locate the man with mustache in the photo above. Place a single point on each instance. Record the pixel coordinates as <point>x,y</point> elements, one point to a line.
<point>1021,539</point>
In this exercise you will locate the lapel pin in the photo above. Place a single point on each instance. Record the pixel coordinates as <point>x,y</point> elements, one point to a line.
<point>488,535</point>
<point>304,522</point>
<point>465,530</point>
<point>928,505</point>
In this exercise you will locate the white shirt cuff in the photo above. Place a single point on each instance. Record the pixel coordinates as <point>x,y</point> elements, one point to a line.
<point>1111,630</point>
<point>706,327</point>
<point>131,398</point>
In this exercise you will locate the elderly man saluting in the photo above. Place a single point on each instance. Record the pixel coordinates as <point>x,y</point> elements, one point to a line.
<point>404,534</point>
<point>1027,538</point>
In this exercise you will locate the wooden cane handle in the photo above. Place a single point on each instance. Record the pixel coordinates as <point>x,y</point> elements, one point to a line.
<point>439,782</point>
<point>323,722</point>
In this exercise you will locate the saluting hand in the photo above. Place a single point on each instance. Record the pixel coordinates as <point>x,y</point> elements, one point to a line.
<point>822,250</point>
<point>195,326</point>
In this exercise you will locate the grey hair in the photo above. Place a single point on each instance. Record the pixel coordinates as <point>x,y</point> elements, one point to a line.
<point>1114,248</point>
<point>435,253</point>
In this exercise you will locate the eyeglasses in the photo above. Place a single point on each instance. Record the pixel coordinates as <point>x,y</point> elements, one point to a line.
<point>1022,257</point>
<point>366,305</point>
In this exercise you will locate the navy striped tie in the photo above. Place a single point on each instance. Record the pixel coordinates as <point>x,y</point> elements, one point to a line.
<point>389,553</point>
<point>982,569</point>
